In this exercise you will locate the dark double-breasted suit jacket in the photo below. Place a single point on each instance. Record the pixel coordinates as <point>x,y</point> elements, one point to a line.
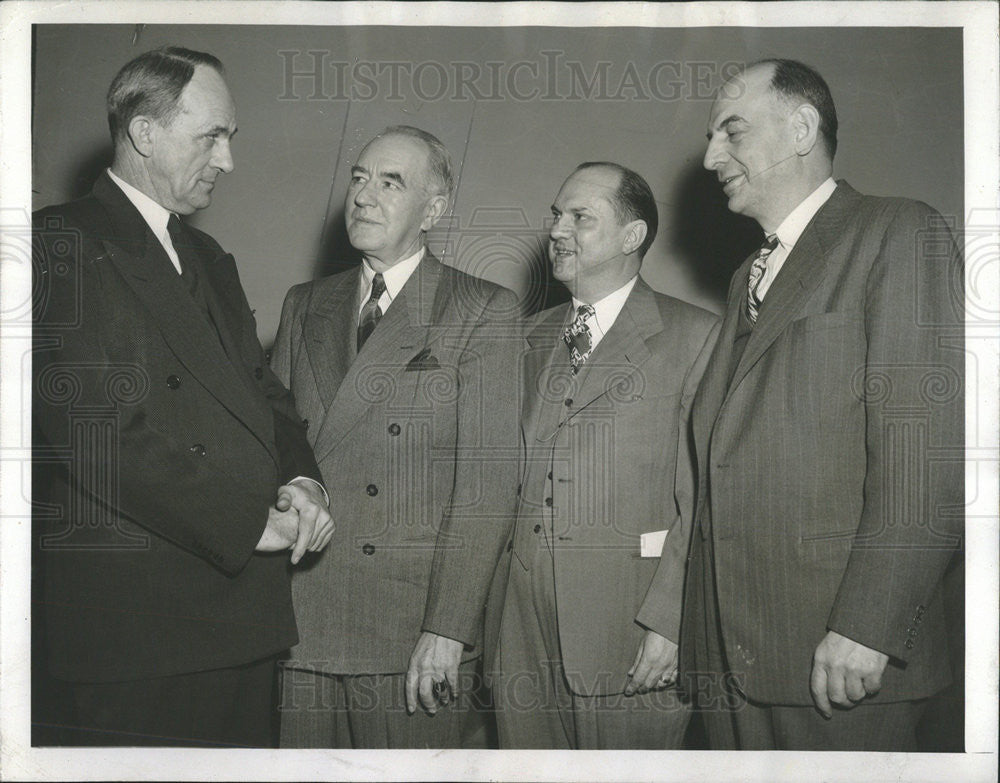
<point>830,452</point>
<point>603,453</point>
<point>161,437</point>
<point>416,439</point>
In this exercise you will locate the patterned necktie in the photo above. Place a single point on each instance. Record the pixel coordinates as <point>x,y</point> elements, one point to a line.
<point>757,269</point>
<point>371,312</point>
<point>577,337</point>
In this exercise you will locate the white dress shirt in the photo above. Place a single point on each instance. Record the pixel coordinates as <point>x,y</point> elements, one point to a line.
<point>606,311</point>
<point>790,230</point>
<point>395,278</point>
<point>155,215</point>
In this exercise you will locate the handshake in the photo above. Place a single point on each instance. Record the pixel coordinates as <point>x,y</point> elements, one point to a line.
<point>299,520</point>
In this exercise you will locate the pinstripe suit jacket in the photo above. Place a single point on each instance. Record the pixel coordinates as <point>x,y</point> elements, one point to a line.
<point>411,437</point>
<point>830,462</point>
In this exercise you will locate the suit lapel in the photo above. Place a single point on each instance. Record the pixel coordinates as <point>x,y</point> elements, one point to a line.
<point>145,266</point>
<point>402,332</point>
<point>622,350</point>
<point>330,333</point>
<point>799,276</point>
<point>547,376</point>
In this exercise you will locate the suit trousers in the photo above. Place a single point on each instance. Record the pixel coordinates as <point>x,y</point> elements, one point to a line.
<point>734,722</point>
<point>232,707</point>
<point>535,707</point>
<point>368,711</point>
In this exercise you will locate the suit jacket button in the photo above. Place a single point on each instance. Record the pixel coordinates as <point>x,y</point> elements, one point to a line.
<point>909,644</point>
<point>549,476</point>
<point>518,489</point>
<point>510,545</point>
<point>548,502</point>
<point>538,528</point>
<point>372,490</point>
<point>568,402</point>
<point>198,449</point>
<point>258,373</point>
<point>394,429</point>
<point>368,549</point>
<point>305,423</point>
<point>173,382</point>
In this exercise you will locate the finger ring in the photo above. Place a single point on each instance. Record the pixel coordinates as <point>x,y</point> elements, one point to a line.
<point>440,687</point>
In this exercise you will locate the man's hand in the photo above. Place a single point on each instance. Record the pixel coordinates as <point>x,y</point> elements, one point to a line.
<point>844,672</point>
<point>655,665</point>
<point>433,672</point>
<point>315,524</point>
<point>280,532</point>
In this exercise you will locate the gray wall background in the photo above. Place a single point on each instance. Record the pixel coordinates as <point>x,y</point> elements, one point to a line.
<point>637,96</point>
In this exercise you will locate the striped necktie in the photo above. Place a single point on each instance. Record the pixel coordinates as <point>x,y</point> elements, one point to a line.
<point>371,312</point>
<point>757,269</point>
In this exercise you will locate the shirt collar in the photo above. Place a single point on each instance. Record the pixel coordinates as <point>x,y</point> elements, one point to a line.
<point>606,310</point>
<point>155,215</point>
<point>395,277</point>
<point>791,227</point>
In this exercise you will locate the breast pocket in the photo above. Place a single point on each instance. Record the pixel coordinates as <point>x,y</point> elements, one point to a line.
<point>826,360</point>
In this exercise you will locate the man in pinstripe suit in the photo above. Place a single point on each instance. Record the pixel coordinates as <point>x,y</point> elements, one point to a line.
<point>813,616</point>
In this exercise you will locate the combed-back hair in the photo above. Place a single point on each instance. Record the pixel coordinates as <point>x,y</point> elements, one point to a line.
<point>151,85</point>
<point>438,157</point>
<point>632,200</point>
<point>796,81</point>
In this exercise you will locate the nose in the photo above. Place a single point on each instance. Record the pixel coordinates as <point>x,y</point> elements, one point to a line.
<point>222,156</point>
<point>714,157</point>
<point>364,196</point>
<point>560,227</point>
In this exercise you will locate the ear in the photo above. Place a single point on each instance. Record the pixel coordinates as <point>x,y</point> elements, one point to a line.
<point>805,125</point>
<point>635,235</point>
<point>435,209</point>
<point>140,133</point>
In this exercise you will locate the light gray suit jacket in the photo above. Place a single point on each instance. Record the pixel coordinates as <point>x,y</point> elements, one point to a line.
<point>411,436</point>
<point>603,451</point>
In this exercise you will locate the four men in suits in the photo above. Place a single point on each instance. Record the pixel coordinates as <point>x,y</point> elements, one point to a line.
<point>164,446</point>
<point>828,504</point>
<point>585,622</point>
<point>811,503</point>
<point>398,365</point>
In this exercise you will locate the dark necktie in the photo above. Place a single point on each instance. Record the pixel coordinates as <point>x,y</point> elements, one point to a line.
<point>371,312</point>
<point>757,269</point>
<point>577,337</point>
<point>187,255</point>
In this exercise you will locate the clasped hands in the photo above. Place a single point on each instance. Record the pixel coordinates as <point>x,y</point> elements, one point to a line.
<point>299,520</point>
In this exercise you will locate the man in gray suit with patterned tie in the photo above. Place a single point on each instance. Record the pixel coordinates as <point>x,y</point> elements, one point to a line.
<point>826,429</point>
<point>584,613</point>
<point>404,367</point>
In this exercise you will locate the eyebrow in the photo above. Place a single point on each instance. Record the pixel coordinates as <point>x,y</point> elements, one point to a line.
<point>571,208</point>
<point>724,124</point>
<point>219,129</point>
<point>389,175</point>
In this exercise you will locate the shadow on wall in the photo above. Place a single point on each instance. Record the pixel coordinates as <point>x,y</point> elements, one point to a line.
<point>710,241</point>
<point>335,251</point>
<point>515,258</point>
<point>90,167</point>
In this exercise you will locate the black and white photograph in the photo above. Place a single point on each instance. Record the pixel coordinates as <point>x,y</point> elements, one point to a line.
<point>440,391</point>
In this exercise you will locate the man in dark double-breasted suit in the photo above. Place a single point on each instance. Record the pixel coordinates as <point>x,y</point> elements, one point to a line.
<point>404,369</point>
<point>828,430</point>
<point>164,446</point>
<point>584,613</point>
